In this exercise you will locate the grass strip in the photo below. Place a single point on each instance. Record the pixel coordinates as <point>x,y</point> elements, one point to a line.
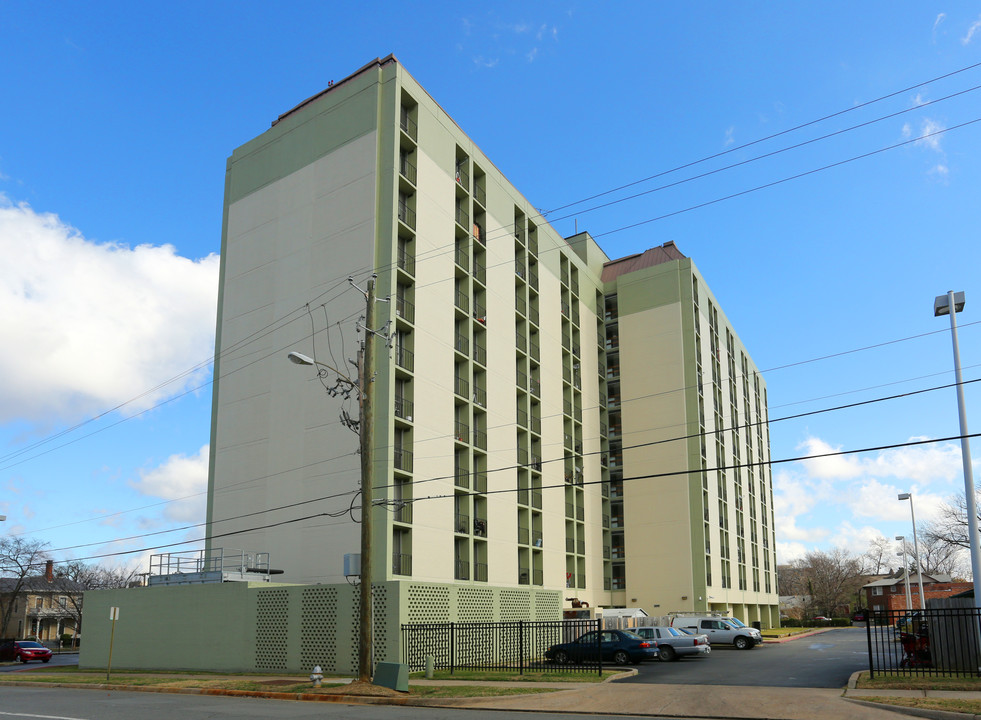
<point>950,681</point>
<point>949,704</point>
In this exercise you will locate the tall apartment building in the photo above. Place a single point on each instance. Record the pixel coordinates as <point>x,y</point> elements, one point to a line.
<point>545,418</point>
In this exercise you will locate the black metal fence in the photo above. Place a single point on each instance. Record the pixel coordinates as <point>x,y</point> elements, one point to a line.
<point>495,645</point>
<point>935,641</point>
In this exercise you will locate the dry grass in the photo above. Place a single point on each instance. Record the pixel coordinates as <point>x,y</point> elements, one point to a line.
<point>919,682</point>
<point>962,706</point>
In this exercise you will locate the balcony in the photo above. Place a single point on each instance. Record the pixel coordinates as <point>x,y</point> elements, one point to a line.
<point>401,564</point>
<point>479,193</point>
<point>408,125</point>
<point>479,397</point>
<point>522,496</point>
<point>524,536</point>
<point>407,215</point>
<point>520,342</point>
<point>480,572</point>
<point>462,524</point>
<point>477,233</point>
<point>462,175</point>
<point>461,432</point>
<point>522,380</point>
<point>536,499</point>
<point>479,355</point>
<point>404,358</point>
<point>462,570</point>
<point>479,272</point>
<point>403,408</point>
<point>403,459</point>
<point>462,216</point>
<point>461,478</point>
<point>535,387</point>
<point>480,482</point>
<point>522,417</point>
<point>461,386</point>
<point>462,258</point>
<point>407,169</point>
<point>539,577</point>
<point>479,312</point>
<point>405,310</point>
<point>406,262</point>
<point>536,538</point>
<point>480,527</point>
<point>461,343</point>
<point>524,577</point>
<point>403,513</point>
<point>479,439</point>
<point>570,545</point>
<point>519,269</point>
<point>462,300</point>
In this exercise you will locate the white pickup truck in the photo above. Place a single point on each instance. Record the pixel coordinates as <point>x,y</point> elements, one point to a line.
<point>720,630</point>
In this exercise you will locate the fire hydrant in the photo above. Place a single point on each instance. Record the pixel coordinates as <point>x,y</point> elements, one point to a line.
<point>316,676</point>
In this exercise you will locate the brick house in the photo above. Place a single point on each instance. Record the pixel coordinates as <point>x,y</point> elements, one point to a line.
<point>45,606</point>
<point>889,593</point>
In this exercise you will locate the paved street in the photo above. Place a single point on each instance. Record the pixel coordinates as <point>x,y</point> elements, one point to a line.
<point>821,661</point>
<point>56,660</point>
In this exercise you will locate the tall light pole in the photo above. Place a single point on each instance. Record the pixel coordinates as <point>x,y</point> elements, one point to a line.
<point>909,598</point>
<point>364,387</point>
<point>951,304</point>
<point>916,547</point>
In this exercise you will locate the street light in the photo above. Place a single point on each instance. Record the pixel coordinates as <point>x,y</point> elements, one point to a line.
<point>916,547</point>
<point>942,305</point>
<point>909,598</point>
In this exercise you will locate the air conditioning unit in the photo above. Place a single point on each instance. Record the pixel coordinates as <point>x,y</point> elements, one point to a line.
<point>352,564</point>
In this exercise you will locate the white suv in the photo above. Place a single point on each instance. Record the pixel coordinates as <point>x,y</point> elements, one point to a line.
<point>719,630</point>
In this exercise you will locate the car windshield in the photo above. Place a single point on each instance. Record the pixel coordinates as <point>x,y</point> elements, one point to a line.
<point>30,644</point>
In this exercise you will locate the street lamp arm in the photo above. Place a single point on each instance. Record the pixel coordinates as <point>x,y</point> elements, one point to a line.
<point>322,368</point>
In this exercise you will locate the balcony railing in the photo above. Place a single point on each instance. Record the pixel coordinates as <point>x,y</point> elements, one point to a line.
<point>524,536</point>
<point>479,193</point>
<point>480,396</point>
<point>403,513</point>
<point>462,258</point>
<point>462,524</point>
<point>480,482</point>
<point>407,170</point>
<point>406,262</point>
<point>538,577</point>
<point>480,527</point>
<point>461,478</point>
<point>479,272</point>
<point>408,125</point>
<point>403,408</point>
<point>463,176</point>
<point>407,215</point>
<point>404,358</point>
<point>479,354</point>
<point>462,300</point>
<point>461,386</point>
<point>524,576</point>
<point>462,570</point>
<point>519,269</point>
<point>462,432</point>
<point>480,572</point>
<point>479,312</point>
<point>536,538</point>
<point>479,439</point>
<point>405,310</point>
<point>536,499</point>
<point>401,564</point>
<point>403,459</point>
<point>462,216</point>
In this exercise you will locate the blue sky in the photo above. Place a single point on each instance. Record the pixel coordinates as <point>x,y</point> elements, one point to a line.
<point>116,120</point>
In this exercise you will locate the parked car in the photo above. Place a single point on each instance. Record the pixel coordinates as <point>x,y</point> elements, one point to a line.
<point>719,630</point>
<point>860,615</point>
<point>820,617</point>
<point>672,643</point>
<point>619,647</point>
<point>25,651</point>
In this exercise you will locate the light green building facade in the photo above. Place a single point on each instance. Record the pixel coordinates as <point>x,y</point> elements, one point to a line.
<point>550,425</point>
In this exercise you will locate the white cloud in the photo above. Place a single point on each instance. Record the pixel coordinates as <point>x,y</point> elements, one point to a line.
<point>907,130</point>
<point>182,479</point>
<point>483,62</point>
<point>87,326</point>
<point>940,170</point>
<point>833,467</point>
<point>730,136</point>
<point>975,26</point>
<point>940,18</point>
<point>918,100</point>
<point>928,134</point>
<point>531,55</point>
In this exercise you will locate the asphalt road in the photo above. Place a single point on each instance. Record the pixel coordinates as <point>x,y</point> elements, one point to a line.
<point>56,660</point>
<point>825,660</point>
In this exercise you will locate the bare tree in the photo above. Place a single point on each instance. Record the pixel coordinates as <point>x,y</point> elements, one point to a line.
<point>19,560</point>
<point>878,558</point>
<point>75,577</point>
<point>833,578</point>
<point>937,556</point>
<point>950,526</point>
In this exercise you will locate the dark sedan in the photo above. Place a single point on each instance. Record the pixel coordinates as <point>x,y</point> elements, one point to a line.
<point>614,646</point>
<point>25,651</point>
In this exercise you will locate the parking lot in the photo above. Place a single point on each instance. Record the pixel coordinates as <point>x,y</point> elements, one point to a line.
<point>825,660</point>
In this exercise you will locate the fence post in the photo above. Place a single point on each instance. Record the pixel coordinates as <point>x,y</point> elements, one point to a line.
<point>868,638</point>
<point>599,639</point>
<point>452,648</point>
<point>521,647</point>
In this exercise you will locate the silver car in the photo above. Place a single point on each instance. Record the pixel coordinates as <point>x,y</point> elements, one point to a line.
<point>673,643</point>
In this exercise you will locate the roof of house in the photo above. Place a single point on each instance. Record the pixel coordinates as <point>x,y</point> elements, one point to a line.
<point>900,578</point>
<point>39,583</point>
<point>654,256</point>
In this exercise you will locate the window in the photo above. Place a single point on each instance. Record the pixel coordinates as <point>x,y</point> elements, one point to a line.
<point>39,603</point>
<point>63,602</point>
<point>877,591</point>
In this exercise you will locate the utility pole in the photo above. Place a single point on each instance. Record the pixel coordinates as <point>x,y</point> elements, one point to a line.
<point>366,393</point>
<point>365,388</point>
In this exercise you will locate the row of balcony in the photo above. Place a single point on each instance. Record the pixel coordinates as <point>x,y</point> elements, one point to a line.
<point>462,478</point>
<point>524,494</point>
<point>463,571</point>
<point>463,525</point>
<point>463,435</point>
<point>530,384</point>
<point>533,423</point>
<point>462,345</point>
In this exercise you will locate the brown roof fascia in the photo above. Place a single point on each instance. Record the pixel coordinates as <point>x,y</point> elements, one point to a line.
<point>654,256</point>
<point>376,63</point>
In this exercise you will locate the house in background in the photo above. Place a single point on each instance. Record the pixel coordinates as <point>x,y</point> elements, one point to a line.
<point>44,606</point>
<point>889,593</point>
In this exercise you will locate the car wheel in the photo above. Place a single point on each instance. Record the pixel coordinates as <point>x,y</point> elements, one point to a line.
<point>742,643</point>
<point>666,653</point>
<point>708,650</point>
<point>45,659</point>
<point>23,659</point>
<point>620,657</point>
<point>561,657</point>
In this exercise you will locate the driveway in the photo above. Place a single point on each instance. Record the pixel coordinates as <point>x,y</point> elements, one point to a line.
<point>825,660</point>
